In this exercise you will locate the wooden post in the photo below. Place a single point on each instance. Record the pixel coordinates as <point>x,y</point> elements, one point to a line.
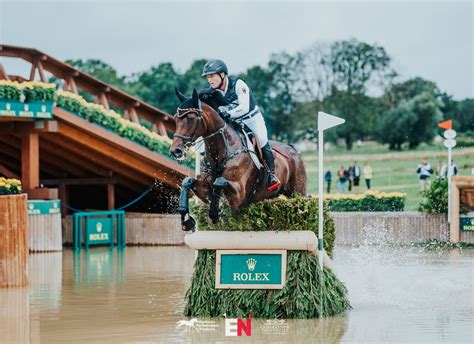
<point>3,73</point>
<point>133,115</point>
<point>162,129</point>
<point>13,241</point>
<point>102,99</point>
<point>63,196</point>
<point>41,71</point>
<point>110,196</point>
<point>454,225</point>
<point>30,161</point>
<point>33,70</point>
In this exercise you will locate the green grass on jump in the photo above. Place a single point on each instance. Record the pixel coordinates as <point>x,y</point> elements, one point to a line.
<point>308,292</point>
<point>304,295</point>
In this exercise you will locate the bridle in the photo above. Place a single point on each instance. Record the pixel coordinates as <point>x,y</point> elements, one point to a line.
<point>189,140</point>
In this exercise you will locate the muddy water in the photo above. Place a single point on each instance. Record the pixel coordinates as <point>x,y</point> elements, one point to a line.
<point>136,295</point>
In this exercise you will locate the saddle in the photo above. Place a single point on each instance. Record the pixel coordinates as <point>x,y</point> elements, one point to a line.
<point>250,143</point>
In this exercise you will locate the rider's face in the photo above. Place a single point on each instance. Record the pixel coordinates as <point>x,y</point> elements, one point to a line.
<point>214,80</point>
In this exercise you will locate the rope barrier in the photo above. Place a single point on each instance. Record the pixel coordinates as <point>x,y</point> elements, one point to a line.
<point>122,207</point>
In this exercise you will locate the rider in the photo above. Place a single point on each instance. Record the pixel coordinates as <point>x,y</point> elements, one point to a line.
<point>242,108</point>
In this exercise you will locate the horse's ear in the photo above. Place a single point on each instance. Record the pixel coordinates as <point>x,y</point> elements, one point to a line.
<point>180,96</point>
<point>195,96</point>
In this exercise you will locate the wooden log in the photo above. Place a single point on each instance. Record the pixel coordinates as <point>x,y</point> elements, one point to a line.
<point>13,241</point>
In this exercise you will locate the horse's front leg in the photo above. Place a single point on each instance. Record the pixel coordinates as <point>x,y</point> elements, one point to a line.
<point>187,221</point>
<point>218,186</point>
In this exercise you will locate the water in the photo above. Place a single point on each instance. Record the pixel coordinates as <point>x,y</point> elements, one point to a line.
<point>136,295</point>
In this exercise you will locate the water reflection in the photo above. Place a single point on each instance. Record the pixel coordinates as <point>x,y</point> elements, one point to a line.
<point>136,295</point>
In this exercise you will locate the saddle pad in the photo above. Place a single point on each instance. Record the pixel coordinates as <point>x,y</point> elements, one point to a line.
<point>251,149</point>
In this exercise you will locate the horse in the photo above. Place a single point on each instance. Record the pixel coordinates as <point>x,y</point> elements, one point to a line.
<point>229,168</point>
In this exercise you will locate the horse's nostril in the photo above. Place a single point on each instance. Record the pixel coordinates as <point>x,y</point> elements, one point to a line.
<point>177,152</point>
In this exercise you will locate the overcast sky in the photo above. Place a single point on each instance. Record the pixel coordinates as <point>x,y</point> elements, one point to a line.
<point>431,39</point>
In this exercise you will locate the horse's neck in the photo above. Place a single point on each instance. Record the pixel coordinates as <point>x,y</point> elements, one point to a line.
<point>218,146</point>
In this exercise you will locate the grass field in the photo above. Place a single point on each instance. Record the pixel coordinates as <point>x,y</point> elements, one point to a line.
<point>393,171</point>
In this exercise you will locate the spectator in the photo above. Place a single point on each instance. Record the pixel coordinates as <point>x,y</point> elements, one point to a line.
<point>368,174</point>
<point>342,175</point>
<point>350,177</point>
<point>424,171</point>
<point>356,169</point>
<point>328,178</point>
<point>454,169</point>
<point>444,170</point>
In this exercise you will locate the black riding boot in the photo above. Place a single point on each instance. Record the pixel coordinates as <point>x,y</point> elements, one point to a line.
<point>273,182</point>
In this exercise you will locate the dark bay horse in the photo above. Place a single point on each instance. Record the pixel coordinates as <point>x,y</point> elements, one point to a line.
<point>229,168</point>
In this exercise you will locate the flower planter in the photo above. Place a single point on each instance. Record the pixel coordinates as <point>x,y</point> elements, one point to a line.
<point>13,241</point>
<point>10,107</point>
<point>33,109</point>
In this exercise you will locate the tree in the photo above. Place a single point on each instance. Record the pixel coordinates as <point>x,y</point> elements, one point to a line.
<point>428,114</point>
<point>356,66</point>
<point>394,125</point>
<point>404,91</point>
<point>158,85</point>
<point>192,78</point>
<point>413,122</point>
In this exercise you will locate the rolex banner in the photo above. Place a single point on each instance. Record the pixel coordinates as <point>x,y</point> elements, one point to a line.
<point>250,269</point>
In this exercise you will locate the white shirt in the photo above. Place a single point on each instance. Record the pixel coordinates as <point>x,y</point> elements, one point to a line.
<point>243,95</point>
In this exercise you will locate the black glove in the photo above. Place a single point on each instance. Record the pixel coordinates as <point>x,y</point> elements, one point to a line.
<point>206,94</point>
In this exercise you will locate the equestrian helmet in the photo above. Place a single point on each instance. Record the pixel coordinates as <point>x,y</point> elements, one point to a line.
<point>213,67</point>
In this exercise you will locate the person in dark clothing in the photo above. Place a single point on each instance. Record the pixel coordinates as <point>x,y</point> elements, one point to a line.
<point>328,178</point>
<point>350,177</point>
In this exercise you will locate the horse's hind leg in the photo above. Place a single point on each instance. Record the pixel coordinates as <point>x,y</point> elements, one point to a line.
<point>218,186</point>
<point>188,223</point>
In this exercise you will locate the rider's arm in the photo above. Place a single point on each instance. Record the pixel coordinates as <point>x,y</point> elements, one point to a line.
<point>243,94</point>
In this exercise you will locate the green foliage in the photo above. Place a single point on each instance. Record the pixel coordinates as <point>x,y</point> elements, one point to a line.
<point>394,125</point>
<point>278,214</point>
<point>435,198</point>
<point>115,123</point>
<point>412,121</point>
<point>428,114</point>
<point>368,203</point>
<point>9,92</point>
<point>301,298</point>
<point>38,93</point>
<point>465,139</point>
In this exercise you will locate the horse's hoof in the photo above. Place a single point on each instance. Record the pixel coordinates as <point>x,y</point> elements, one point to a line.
<point>214,218</point>
<point>189,224</point>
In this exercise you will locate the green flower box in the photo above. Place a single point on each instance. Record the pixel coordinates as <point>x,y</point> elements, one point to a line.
<point>42,109</point>
<point>35,109</point>
<point>9,107</point>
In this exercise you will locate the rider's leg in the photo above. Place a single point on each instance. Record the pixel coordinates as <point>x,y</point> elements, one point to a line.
<point>257,125</point>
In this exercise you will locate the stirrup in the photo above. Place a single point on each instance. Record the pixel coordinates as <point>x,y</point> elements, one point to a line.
<point>275,185</point>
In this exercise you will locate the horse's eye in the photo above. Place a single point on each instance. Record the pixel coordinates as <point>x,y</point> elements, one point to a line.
<point>191,120</point>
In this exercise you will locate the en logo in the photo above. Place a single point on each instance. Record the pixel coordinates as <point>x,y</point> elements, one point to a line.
<point>234,327</point>
<point>26,107</point>
<point>43,108</point>
<point>8,106</point>
<point>98,227</point>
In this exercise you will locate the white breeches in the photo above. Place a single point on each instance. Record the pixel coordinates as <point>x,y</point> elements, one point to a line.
<point>258,127</point>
